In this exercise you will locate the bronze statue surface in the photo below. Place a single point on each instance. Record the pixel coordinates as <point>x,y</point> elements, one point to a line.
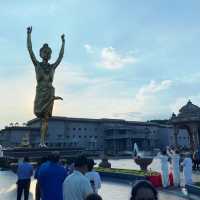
<point>45,92</point>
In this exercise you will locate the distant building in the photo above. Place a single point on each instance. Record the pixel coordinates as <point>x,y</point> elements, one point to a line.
<point>103,135</point>
<point>16,135</point>
<point>188,118</point>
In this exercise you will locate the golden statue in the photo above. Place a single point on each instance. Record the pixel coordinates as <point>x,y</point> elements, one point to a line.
<point>45,92</point>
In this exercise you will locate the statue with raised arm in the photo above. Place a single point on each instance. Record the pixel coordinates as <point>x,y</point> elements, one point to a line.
<point>45,92</point>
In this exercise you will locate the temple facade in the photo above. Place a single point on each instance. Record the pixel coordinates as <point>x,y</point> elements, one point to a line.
<point>188,118</point>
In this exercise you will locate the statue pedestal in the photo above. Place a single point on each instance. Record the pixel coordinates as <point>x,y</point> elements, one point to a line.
<point>37,153</point>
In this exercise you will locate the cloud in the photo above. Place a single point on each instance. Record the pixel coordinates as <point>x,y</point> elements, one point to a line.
<point>129,115</point>
<point>179,102</point>
<point>87,96</point>
<point>89,49</point>
<point>111,59</point>
<point>147,95</point>
<point>19,91</point>
<point>152,88</point>
<point>84,95</point>
<point>147,103</point>
<point>17,97</point>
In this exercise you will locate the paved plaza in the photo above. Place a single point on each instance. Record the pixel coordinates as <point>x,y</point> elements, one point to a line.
<point>109,190</point>
<point>119,191</point>
<point>176,194</point>
<point>179,194</point>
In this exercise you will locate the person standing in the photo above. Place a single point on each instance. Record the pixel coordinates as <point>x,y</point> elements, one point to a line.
<point>70,167</point>
<point>37,187</point>
<point>187,169</point>
<point>93,176</point>
<point>143,190</point>
<point>104,163</point>
<point>164,168</point>
<point>195,160</point>
<point>175,159</point>
<point>76,186</point>
<point>24,173</point>
<point>51,176</point>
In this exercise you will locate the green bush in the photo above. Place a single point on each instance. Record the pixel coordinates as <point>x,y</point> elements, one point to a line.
<point>127,171</point>
<point>198,184</point>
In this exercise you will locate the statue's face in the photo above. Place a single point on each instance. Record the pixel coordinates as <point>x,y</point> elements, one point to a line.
<point>45,52</point>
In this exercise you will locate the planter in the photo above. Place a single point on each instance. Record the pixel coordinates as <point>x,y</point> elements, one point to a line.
<point>131,175</point>
<point>156,180</point>
<point>193,189</point>
<point>143,162</point>
<point>122,176</point>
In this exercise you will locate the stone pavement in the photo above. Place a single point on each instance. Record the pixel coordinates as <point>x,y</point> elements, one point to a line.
<point>171,195</point>
<point>179,194</point>
<point>121,190</point>
<point>174,194</point>
<point>110,189</point>
<point>196,176</point>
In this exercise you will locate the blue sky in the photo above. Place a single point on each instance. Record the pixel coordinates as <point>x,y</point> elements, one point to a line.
<point>129,59</point>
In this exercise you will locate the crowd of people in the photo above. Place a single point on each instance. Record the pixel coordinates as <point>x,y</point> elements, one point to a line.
<point>172,157</point>
<point>75,181</point>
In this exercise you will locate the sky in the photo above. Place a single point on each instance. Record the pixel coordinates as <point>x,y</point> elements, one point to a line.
<point>128,59</point>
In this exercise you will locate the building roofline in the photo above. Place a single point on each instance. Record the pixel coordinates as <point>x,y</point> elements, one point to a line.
<point>101,120</point>
<point>19,128</point>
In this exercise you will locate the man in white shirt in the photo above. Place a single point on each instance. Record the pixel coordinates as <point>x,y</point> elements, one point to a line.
<point>175,165</point>
<point>187,169</point>
<point>93,176</point>
<point>76,186</point>
<point>164,168</point>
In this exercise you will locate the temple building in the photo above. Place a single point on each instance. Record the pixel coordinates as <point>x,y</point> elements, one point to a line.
<point>188,118</point>
<point>110,136</point>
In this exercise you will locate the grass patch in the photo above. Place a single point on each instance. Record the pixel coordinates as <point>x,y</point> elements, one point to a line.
<point>127,171</point>
<point>198,184</point>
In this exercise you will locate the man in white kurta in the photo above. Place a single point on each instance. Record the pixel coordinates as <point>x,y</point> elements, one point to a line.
<point>164,169</point>
<point>76,186</point>
<point>187,169</point>
<point>175,157</point>
<point>93,176</point>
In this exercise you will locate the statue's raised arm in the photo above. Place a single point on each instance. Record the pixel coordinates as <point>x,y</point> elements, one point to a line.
<point>61,52</point>
<point>29,46</point>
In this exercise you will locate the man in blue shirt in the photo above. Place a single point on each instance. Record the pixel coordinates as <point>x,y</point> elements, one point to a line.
<point>51,176</point>
<point>37,187</point>
<point>24,173</point>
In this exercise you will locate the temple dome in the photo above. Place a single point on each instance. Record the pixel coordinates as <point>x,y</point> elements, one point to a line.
<point>189,109</point>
